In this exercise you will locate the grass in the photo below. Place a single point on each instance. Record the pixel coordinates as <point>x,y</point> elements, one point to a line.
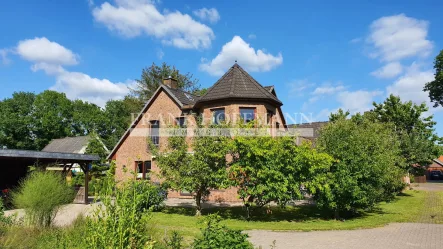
<point>408,207</point>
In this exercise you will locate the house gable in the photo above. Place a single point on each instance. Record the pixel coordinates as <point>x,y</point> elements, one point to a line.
<point>168,99</point>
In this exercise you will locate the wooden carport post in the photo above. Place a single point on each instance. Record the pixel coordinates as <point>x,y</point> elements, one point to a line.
<point>85,169</point>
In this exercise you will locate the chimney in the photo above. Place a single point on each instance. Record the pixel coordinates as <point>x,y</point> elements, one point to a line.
<point>170,82</point>
<point>440,158</point>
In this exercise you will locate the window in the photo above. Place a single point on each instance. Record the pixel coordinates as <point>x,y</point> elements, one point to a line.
<point>247,114</point>
<point>143,169</point>
<point>218,116</point>
<point>277,125</point>
<point>269,115</point>
<point>181,122</point>
<point>155,131</point>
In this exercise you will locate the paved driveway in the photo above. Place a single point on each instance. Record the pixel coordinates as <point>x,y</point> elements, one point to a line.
<point>429,186</point>
<point>393,236</point>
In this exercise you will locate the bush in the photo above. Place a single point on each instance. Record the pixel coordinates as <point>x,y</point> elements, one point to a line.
<point>366,169</point>
<point>4,221</point>
<point>118,222</point>
<point>174,241</point>
<point>153,196</point>
<point>41,194</point>
<point>217,236</point>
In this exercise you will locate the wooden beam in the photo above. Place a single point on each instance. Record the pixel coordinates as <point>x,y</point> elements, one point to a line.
<point>85,169</point>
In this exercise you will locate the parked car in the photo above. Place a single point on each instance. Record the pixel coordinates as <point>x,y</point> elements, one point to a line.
<point>436,175</point>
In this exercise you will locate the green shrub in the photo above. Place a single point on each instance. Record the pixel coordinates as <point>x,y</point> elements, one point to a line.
<point>41,194</point>
<point>153,196</point>
<point>118,221</point>
<point>174,241</point>
<point>365,171</point>
<point>5,222</point>
<point>217,236</point>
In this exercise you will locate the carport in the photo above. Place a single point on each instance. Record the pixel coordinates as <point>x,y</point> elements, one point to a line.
<point>14,164</point>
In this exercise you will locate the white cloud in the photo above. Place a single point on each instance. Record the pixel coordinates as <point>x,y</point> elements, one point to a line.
<point>356,40</point>
<point>410,86</point>
<point>398,37</point>
<point>50,57</point>
<point>357,101</point>
<point>298,86</point>
<point>389,70</point>
<point>205,14</point>
<point>252,36</point>
<point>4,56</point>
<point>327,90</point>
<point>78,85</point>
<point>248,57</point>
<point>160,54</point>
<point>43,50</point>
<point>136,17</point>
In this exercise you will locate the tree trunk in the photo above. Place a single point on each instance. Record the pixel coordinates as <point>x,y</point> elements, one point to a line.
<point>198,198</point>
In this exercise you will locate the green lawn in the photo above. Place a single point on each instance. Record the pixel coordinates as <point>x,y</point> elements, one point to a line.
<point>409,207</point>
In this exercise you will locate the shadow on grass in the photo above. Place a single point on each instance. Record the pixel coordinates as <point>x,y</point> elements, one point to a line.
<point>302,213</point>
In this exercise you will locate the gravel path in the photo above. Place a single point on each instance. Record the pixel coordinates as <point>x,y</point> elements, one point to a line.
<point>393,236</point>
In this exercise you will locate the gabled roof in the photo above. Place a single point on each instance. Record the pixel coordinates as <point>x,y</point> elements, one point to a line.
<point>68,144</point>
<point>438,161</point>
<point>178,96</point>
<point>185,98</point>
<point>236,83</point>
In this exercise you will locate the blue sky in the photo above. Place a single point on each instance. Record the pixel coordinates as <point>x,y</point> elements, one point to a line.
<point>319,55</point>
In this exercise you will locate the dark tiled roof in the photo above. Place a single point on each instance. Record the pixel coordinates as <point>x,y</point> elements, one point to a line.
<point>315,126</point>
<point>238,84</point>
<point>45,155</point>
<point>184,97</point>
<point>67,144</point>
<point>269,88</point>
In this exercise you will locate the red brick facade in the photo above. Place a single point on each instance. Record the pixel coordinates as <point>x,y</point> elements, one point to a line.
<point>166,107</point>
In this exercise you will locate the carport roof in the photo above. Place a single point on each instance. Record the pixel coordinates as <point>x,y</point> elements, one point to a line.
<point>44,156</point>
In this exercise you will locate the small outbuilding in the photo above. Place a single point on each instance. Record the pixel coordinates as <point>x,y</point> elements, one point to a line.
<point>14,164</point>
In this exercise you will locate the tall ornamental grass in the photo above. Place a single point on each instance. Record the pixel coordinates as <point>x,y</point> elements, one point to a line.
<point>41,195</point>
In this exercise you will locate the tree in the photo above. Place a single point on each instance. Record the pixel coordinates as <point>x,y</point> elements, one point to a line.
<point>435,87</point>
<point>16,123</point>
<point>118,115</point>
<point>197,172</point>
<point>415,131</point>
<point>52,117</point>
<point>267,169</point>
<point>153,76</point>
<point>87,118</point>
<point>365,170</point>
<point>339,115</point>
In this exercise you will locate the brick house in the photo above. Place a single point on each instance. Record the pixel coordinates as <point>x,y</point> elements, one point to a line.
<point>236,94</point>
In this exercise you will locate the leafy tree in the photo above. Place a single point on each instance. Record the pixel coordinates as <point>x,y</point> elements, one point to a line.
<point>96,146</point>
<point>365,169</point>
<point>197,172</point>
<point>87,118</point>
<point>267,169</point>
<point>16,122</point>
<point>52,117</point>
<point>153,76</point>
<point>339,115</point>
<point>415,130</point>
<point>435,87</point>
<point>118,115</point>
